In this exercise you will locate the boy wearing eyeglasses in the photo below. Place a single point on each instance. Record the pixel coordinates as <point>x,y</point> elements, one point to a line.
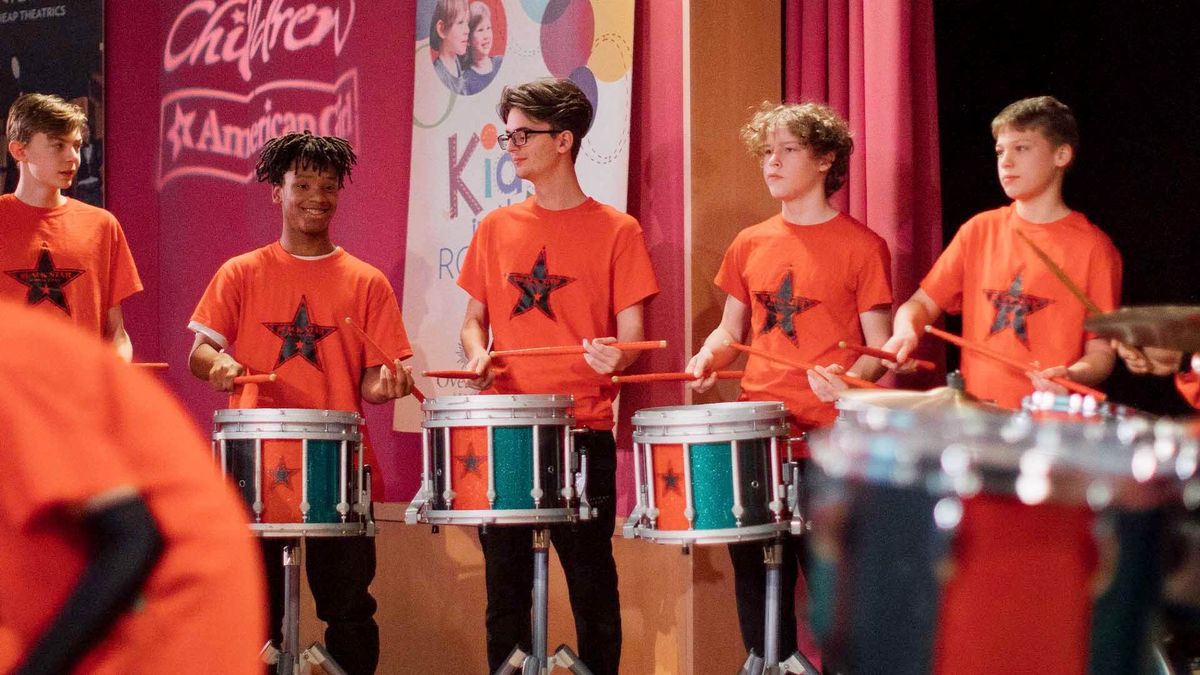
<point>559,268</point>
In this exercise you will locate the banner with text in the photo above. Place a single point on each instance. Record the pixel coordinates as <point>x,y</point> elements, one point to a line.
<point>464,57</point>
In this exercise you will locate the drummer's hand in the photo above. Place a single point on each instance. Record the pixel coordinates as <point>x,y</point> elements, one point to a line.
<point>395,381</point>
<point>482,365</point>
<point>1041,379</point>
<point>700,368</point>
<point>602,358</point>
<point>224,369</point>
<point>902,344</point>
<point>825,383</point>
<point>1148,360</point>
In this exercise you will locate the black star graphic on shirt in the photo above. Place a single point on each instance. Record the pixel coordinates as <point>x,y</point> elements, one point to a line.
<point>1013,308</point>
<point>300,337</point>
<point>782,308</point>
<point>472,462</point>
<point>536,287</point>
<point>671,480</point>
<point>282,475</point>
<point>45,281</point>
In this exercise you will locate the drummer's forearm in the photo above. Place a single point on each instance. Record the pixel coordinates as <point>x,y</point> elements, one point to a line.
<point>1095,365</point>
<point>201,360</point>
<point>867,368</point>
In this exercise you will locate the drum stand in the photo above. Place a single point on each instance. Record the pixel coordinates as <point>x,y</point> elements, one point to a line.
<point>288,657</point>
<point>769,663</point>
<point>539,662</point>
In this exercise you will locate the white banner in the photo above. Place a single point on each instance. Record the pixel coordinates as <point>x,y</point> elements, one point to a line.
<point>459,172</point>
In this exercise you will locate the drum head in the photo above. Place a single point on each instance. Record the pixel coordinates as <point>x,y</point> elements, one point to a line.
<point>710,422</point>
<point>499,410</point>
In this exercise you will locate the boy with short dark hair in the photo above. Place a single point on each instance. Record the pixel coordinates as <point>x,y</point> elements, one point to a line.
<point>800,282</point>
<point>59,254</point>
<point>1019,592</point>
<point>558,268</point>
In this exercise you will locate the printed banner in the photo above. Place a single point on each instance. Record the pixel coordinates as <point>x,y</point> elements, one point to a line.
<point>463,60</point>
<point>56,47</point>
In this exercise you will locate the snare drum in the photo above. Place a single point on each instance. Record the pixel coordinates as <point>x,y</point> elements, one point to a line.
<point>499,459</point>
<point>710,474</point>
<point>299,471</point>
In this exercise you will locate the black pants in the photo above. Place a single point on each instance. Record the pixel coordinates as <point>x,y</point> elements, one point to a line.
<point>585,549</point>
<point>340,570</point>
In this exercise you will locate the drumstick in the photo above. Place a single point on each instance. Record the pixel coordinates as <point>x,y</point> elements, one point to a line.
<point>1057,271</point>
<point>452,374</point>
<point>1017,364</point>
<point>802,365</point>
<point>362,334</point>
<point>577,349</point>
<point>675,377</point>
<point>150,365</point>
<point>254,379</point>
<point>879,353</point>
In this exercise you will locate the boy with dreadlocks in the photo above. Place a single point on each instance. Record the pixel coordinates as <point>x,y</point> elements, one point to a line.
<point>280,309</point>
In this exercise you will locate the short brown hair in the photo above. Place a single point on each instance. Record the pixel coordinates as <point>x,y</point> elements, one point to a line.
<point>558,102</point>
<point>1046,114</point>
<point>46,113</point>
<point>815,125</point>
<point>445,11</point>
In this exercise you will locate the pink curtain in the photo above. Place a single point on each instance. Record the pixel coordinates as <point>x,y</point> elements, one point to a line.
<point>877,68</point>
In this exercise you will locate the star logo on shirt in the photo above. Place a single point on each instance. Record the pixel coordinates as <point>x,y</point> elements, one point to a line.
<point>282,475</point>
<point>670,481</point>
<point>536,287</point>
<point>782,307</point>
<point>1013,309</point>
<point>472,462</point>
<point>300,336</point>
<point>46,282</point>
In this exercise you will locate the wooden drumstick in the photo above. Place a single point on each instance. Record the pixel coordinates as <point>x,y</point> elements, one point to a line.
<point>452,374</point>
<point>801,365</point>
<point>1062,275</point>
<point>379,352</point>
<point>576,349</point>
<point>922,364</point>
<point>254,379</point>
<point>148,365</point>
<point>675,377</point>
<point>1016,364</point>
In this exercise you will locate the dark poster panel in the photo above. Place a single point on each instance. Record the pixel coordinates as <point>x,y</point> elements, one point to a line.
<point>56,47</point>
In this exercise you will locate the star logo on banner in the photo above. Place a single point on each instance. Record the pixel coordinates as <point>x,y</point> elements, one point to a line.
<point>1013,309</point>
<point>536,287</point>
<point>670,480</point>
<point>180,133</point>
<point>782,308</point>
<point>45,281</point>
<point>472,462</point>
<point>300,336</point>
<point>282,475</point>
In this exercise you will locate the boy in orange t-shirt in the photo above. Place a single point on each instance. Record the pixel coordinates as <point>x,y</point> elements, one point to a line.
<point>559,268</point>
<point>60,255</point>
<point>1019,592</point>
<point>800,281</point>
<point>281,309</point>
<point>124,552</point>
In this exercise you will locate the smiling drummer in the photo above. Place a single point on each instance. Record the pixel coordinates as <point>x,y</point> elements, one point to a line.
<point>280,309</point>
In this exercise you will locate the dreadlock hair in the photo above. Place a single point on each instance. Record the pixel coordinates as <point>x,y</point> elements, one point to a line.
<point>302,150</point>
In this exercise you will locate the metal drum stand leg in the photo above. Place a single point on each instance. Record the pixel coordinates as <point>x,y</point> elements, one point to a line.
<point>539,662</point>
<point>288,658</point>
<point>769,663</point>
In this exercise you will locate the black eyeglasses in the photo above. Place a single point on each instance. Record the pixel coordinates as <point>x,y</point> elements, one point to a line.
<point>519,137</point>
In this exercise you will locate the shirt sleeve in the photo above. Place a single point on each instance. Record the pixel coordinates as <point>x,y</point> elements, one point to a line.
<point>473,277</point>
<point>730,277</point>
<point>874,283</point>
<point>220,306</point>
<point>632,275</point>
<point>944,282</point>
<point>123,275</point>
<point>384,322</point>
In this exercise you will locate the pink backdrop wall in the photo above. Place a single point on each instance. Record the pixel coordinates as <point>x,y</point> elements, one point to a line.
<point>181,234</point>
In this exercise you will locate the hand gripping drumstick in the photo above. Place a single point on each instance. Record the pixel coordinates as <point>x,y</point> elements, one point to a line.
<point>802,365</point>
<point>1017,364</point>
<point>880,354</point>
<point>675,377</point>
<point>388,360</point>
<point>577,349</point>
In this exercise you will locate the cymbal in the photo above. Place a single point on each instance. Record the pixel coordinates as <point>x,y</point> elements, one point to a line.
<point>1170,326</point>
<point>936,399</point>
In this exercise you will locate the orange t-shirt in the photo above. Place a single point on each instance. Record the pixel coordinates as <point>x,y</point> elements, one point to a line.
<point>1012,302</point>
<point>554,278</point>
<point>278,313</point>
<point>806,286</point>
<point>76,423</point>
<point>71,261</point>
